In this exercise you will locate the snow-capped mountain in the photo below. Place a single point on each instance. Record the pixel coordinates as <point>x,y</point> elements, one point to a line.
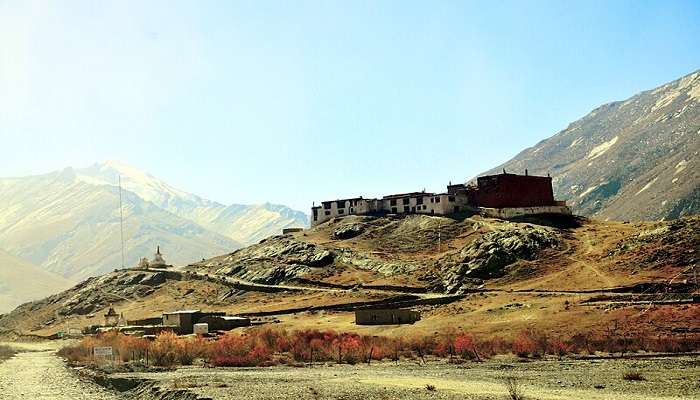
<point>68,221</point>
<point>246,224</point>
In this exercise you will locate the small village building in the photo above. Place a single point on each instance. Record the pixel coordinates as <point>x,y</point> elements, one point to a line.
<point>225,322</point>
<point>395,316</point>
<point>183,321</point>
<point>200,329</point>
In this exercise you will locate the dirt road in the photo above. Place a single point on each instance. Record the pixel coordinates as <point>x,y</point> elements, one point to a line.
<point>41,375</point>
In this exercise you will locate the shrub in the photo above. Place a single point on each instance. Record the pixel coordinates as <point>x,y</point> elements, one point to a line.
<point>165,350</point>
<point>633,376</point>
<point>6,352</point>
<point>465,347</point>
<point>524,345</point>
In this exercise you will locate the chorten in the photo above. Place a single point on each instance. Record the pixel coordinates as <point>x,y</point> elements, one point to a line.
<point>111,318</point>
<point>158,260</point>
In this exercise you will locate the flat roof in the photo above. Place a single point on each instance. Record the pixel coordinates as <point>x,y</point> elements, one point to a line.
<point>411,194</point>
<point>182,312</point>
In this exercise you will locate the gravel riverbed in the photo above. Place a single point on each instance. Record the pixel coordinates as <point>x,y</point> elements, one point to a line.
<point>41,375</point>
<point>665,378</point>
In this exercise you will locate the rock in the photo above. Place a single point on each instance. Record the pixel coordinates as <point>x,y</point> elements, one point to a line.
<point>347,231</point>
<point>154,280</point>
<point>488,256</point>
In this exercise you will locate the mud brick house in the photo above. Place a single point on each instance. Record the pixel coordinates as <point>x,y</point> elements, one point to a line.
<point>183,321</point>
<point>224,322</point>
<point>395,316</point>
<point>502,196</point>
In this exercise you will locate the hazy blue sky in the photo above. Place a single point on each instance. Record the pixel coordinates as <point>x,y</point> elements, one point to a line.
<point>291,102</point>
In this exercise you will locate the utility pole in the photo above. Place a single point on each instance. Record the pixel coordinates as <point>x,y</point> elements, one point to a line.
<point>121,218</point>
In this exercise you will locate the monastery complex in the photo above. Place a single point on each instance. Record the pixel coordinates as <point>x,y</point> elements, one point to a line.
<point>504,196</point>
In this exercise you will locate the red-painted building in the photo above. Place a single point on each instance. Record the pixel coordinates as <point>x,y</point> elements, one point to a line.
<point>511,190</point>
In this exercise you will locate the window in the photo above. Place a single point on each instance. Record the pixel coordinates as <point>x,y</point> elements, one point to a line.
<point>341,211</point>
<point>437,199</point>
<point>340,204</point>
<point>419,200</point>
<point>451,199</point>
<point>432,200</point>
<point>413,209</point>
<point>424,207</point>
<point>327,205</point>
<point>327,212</point>
<point>394,210</point>
<point>406,201</point>
<point>352,210</point>
<point>392,202</point>
<point>406,209</point>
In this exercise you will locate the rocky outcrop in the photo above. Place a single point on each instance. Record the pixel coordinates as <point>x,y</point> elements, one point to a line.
<point>272,261</point>
<point>489,255</point>
<point>347,231</point>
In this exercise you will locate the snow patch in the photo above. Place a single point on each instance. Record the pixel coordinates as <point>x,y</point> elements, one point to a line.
<point>647,186</point>
<point>674,180</point>
<point>602,148</point>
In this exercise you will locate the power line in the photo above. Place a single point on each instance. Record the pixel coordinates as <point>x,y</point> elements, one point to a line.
<point>121,218</point>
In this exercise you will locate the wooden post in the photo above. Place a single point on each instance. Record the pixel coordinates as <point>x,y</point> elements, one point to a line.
<point>369,359</point>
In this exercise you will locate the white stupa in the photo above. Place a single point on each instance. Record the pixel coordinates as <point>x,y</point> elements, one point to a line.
<point>158,260</point>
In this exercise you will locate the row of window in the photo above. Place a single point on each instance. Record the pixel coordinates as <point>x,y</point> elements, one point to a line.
<point>392,202</point>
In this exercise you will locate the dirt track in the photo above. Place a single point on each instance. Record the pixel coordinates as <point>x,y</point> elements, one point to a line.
<point>42,375</point>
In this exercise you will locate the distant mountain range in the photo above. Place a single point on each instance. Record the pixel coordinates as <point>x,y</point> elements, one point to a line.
<point>636,159</point>
<point>67,222</point>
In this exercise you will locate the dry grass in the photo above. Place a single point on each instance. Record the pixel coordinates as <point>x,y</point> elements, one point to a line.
<point>514,388</point>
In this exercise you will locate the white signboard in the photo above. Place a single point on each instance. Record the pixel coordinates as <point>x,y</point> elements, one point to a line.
<point>103,351</point>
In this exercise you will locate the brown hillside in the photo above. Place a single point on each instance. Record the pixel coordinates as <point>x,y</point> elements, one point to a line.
<point>556,275</point>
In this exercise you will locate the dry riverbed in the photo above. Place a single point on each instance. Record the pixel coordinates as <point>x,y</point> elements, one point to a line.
<point>36,373</point>
<point>665,378</point>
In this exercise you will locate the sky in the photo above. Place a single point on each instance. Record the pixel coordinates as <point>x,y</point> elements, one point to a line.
<point>295,102</point>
